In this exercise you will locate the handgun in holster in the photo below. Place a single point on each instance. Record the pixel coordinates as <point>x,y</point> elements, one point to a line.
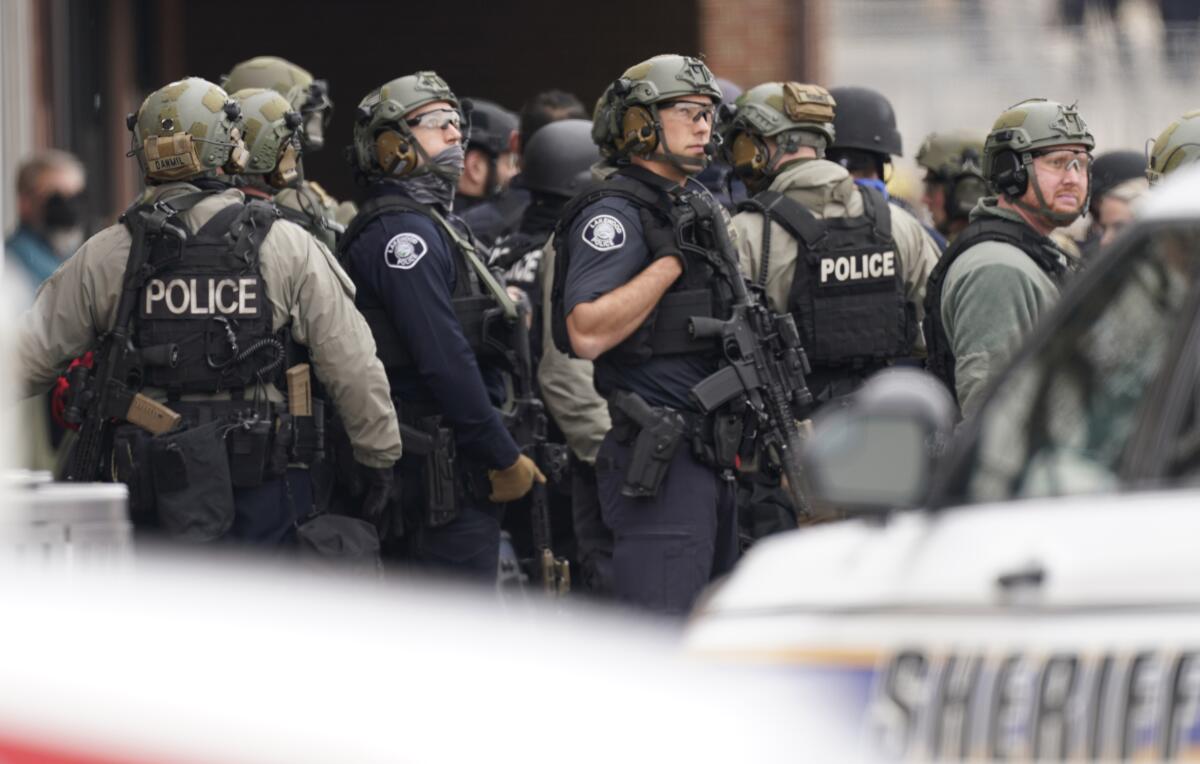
<point>435,445</point>
<point>661,431</point>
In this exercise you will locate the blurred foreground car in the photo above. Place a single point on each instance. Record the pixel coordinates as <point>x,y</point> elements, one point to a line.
<point>1041,596</point>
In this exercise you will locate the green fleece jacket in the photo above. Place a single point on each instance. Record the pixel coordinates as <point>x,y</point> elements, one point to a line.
<point>993,296</point>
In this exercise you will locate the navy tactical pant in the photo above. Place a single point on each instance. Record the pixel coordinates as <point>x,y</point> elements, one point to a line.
<point>666,549</point>
<point>467,546</point>
<point>594,541</point>
<point>266,515</point>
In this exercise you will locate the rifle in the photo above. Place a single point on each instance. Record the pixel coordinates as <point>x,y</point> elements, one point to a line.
<point>766,363</point>
<point>110,390</point>
<point>528,425</point>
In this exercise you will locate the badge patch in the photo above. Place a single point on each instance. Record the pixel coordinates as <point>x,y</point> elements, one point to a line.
<point>404,251</point>
<point>604,233</point>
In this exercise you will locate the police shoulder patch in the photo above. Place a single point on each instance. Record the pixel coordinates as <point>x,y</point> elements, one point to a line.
<point>404,250</point>
<point>604,233</point>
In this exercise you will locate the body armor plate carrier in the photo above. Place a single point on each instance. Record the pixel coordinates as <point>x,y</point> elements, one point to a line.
<point>203,321</point>
<point>700,292</point>
<point>476,310</point>
<point>1037,247</point>
<point>848,293</point>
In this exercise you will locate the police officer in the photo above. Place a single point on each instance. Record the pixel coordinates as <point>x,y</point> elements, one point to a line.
<point>219,312</point>
<point>432,306</point>
<point>1176,146</point>
<point>558,163</point>
<point>866,139</point>
<point>954,181</point>
<point>624,289</point>
<point>272,142</point>
<point>1118,180</point>
<point>1003,271</point>
<point>850,267</point>
<point>304,202</point>
<point>485,200</point>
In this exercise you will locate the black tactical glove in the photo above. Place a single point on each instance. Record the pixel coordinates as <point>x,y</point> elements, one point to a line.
<point>660,238</point>
<point>377,500</point>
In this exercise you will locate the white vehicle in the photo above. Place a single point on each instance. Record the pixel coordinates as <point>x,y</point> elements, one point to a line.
<point>1038,594</point>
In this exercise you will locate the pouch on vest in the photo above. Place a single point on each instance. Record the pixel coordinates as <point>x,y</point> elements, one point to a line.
<point>192,484</point>
<point>131,466</point>
<point>249,444</point>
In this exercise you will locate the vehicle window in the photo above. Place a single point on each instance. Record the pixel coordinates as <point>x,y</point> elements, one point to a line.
<point>1062,419</point>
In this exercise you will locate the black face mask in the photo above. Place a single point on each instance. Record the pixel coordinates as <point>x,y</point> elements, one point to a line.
<point>63,211</point>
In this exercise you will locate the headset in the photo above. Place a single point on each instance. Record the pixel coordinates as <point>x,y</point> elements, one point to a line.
<point>1010,175</point>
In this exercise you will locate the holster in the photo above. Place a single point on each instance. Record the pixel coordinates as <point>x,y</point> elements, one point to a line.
<point>656,433</point>
<point>434,445</point>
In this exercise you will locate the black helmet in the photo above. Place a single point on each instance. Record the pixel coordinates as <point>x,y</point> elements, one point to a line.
<point>492,126</point>
<point>865,121</point>
<point>1113,168</point>
<point>559,158</point>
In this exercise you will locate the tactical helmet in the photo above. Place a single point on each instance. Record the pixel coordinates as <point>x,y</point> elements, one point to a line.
<point>559,158</point>
<point>308,96</point>
<point>627,121</point>
<point>954,159</point>
<point>1020,132</point>
<point>383,143</point>
<point>492,126</point>
<point>1031,125</point>
<point>792,113</point>
<point>865,121</point>
<point>186,130</point>
<point>1175,147</point>
<point>271,136</point>
<point>1113,168</point>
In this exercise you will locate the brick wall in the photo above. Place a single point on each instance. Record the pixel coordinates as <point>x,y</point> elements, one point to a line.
<point>753,41</point>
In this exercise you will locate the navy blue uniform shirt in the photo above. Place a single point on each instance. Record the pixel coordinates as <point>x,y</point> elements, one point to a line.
<point>607,249</point>
<point>405,262</point>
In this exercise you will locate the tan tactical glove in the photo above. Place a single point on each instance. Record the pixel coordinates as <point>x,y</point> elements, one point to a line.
<point>511,483</point>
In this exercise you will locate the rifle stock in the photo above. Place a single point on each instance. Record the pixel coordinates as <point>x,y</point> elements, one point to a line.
<point>109,393</point>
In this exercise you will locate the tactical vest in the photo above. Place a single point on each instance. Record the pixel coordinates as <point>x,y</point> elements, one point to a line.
<point>203,321</point>
<point>1038,248</point>
<point>313,217</point>
<point>699,292</point>
<point>478,310</point>
<point>847,295</point>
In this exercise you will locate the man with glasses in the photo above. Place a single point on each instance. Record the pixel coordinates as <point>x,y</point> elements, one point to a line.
<point>627,279</point>
<point>1003,271</point>
<point>431,304</point>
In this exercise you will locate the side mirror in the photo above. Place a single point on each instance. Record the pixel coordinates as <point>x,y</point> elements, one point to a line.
<point>877,452</point>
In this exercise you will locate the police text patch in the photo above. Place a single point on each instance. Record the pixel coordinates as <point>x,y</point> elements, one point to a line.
<point>863,267</point>
<point>604,233</point>
<point>199,296</point>
<point>404,251</point>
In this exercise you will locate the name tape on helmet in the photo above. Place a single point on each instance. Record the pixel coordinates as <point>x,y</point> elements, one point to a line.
<point>185,297</point>
<point>171,157</point>
<point>844,269</point>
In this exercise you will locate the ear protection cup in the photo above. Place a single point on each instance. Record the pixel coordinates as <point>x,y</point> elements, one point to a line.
<point>749,154</point>
<point>1009,175</point>
<point>638,134</point>
<point>395,153</point>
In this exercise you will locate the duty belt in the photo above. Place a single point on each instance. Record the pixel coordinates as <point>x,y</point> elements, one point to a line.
<point>655,433</point>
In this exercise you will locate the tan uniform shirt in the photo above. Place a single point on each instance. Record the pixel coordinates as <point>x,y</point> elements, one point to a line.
<point>827,190</point>
<point>307,291</point>
<point>567,386</point>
